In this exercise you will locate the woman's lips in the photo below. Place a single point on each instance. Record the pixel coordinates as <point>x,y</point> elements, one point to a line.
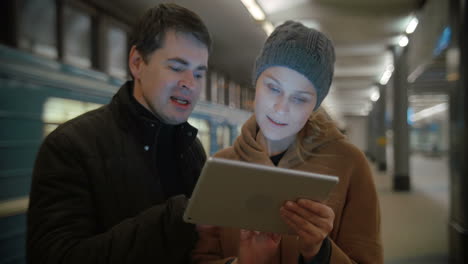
<point>277,123</point>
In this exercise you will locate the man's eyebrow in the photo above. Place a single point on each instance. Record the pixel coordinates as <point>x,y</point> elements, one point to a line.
<point>186,63</point>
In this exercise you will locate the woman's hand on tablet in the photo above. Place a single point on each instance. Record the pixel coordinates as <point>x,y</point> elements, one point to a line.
<point>257,247</point>
<point>312,221</point>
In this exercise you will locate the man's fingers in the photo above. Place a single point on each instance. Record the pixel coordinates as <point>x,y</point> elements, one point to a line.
<point>274,236</point>
<point>207,229</point>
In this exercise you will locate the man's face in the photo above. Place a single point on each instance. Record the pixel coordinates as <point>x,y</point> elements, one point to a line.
<point>169,84</point>
<point>284,100</point>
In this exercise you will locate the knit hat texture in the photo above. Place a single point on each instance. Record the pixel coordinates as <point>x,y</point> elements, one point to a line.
<point>302,49</point>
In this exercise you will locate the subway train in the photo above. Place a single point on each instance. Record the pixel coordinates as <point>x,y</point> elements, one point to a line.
<point>38,94</point>
<point>54,66</point>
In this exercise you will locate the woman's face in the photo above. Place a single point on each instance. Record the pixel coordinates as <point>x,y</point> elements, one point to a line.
<point>284,100</point>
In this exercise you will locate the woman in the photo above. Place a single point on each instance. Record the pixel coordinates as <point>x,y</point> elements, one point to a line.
<point>292,76</point>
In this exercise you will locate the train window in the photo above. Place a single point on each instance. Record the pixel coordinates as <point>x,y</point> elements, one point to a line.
<point>247,99</point>
<point>77,42</point>
<point>223,136</point>
<point>37,27</point>
<point>204,88</point>
<point>59,110</point>
<point>213,87</point>
<point>203,131</point>
<point>117,52</point>
<point>221,90</point>
<point>234,95</point>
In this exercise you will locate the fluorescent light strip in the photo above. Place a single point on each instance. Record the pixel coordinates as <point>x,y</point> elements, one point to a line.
<point>429,112</point>
<point>416,73</point>
<point>387,74</point>
<point>14,207</point>
<point>268,27</point>
<point>403,41</point>
<point>254,9</point>
<point>375,96</point>
<point>412,25</point>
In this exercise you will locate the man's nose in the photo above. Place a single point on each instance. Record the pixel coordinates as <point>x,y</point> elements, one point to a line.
<point>188,80</point>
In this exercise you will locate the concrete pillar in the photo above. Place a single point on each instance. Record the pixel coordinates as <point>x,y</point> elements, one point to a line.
<point>371,146</point>
<point>458,224</point>
<point>401,178</point>
<point>380,138</point>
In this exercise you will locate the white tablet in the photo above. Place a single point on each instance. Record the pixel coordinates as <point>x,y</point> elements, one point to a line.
<point>247,195</point>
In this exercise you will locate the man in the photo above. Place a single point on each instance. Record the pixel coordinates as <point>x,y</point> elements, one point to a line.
<point>111,185</point>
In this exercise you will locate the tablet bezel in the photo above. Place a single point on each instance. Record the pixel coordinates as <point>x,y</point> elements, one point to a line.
<point>245,195</point>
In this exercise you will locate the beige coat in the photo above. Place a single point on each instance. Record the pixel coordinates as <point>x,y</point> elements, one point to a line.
<point>355,237</point>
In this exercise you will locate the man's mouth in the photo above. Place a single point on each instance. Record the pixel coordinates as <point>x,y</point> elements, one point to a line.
<point>179,100</point>
<point>278,123</point>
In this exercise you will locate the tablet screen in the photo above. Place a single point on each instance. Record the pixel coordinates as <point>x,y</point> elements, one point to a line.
<point>247,195</point>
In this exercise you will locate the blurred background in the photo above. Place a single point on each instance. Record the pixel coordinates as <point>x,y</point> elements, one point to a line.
<point>398,93</point>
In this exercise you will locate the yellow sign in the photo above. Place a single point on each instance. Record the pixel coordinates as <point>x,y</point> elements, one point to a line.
<point>381,141</point>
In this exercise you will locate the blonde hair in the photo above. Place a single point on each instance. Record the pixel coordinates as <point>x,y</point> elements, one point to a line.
<point>314,129</point>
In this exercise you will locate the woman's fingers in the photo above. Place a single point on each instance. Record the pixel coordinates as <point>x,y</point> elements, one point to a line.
<point>303,228</point>
<point>317,208</point>
<point>306,212</point>
<point>311,221</point>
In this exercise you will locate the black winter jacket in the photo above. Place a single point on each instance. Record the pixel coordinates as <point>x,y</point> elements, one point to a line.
<point>95,198</point>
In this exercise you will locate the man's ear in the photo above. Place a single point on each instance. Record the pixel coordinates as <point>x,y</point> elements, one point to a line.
<point>135,61</point>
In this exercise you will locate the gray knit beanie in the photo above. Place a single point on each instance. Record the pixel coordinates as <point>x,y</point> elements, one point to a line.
<point>302,49</point>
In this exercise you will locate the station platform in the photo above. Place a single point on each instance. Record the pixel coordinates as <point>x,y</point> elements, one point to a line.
<point>415,223</point>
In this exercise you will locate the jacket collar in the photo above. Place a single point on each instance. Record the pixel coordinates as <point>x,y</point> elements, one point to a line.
<point>135,118</point>
<point>249,148</point>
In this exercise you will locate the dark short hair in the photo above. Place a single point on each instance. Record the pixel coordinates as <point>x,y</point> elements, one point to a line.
<point>148,34</point>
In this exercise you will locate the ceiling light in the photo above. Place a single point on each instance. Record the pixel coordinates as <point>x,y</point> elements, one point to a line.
<point>273,6</point>
<point>429,112</point>
<point>268,27</point>
<point>403,41</point>
<point>310,23</point>
<point>368,107</point>
<point>387,74</point>
<point>416,73</point>
<point>412,25</point>
<point>254,9</point>
<point>375,96</point>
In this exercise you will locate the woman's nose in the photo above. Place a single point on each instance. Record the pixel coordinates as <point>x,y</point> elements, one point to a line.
<point>281,106</point>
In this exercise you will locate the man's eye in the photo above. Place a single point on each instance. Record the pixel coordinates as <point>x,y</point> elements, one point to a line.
<point>198,75</point>
<point>176,69</point>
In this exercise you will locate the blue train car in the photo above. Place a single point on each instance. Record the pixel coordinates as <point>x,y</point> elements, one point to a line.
<point>38,94</point>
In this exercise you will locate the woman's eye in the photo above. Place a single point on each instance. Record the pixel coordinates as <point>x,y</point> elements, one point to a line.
<point>273,88</point>
<point>299,100</point>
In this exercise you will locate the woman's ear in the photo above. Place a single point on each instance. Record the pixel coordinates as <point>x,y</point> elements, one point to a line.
<point>135,61</point>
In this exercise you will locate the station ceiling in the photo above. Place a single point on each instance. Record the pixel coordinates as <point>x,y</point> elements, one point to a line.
<point>362,31</point>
